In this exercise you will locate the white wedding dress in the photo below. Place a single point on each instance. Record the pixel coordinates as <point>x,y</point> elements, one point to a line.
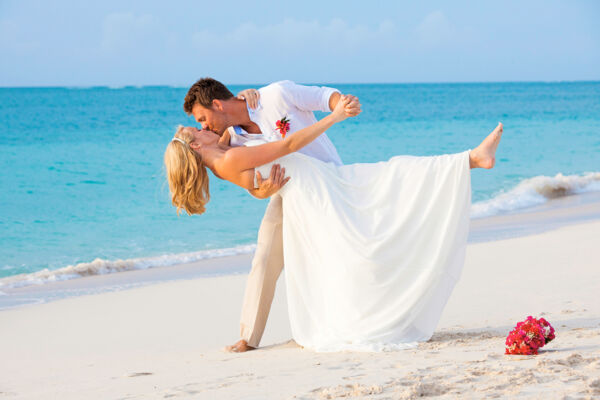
<point>372,251</point>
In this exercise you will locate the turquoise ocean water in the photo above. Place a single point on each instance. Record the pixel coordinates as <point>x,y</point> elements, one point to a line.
<point>82,176</point>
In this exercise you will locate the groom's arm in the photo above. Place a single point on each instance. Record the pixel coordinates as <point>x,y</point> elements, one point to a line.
<point>316,98</point>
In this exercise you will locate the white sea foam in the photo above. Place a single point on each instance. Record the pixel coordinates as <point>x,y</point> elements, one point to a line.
<point>100,266</point>
<point>535,191</point>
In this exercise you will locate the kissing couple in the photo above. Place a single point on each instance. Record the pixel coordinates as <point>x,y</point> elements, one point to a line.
<point>372,251</point>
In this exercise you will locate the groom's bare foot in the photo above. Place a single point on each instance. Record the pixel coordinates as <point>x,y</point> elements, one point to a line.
<point>240,347</point>
<point>484,155</point>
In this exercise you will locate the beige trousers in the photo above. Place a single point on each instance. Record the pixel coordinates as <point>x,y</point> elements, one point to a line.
<point>267,265</point>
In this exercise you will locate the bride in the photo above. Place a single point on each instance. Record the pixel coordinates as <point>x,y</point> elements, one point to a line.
<point>372,251</point>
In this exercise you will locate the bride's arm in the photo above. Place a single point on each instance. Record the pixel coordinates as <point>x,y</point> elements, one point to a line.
<point>239,159</point>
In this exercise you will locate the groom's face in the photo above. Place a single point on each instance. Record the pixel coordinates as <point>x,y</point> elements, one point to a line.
<point>212,119</point>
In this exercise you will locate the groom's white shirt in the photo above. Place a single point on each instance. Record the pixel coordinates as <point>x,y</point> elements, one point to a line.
<point>296,102</point>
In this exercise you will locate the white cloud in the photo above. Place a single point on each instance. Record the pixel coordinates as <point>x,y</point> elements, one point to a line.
<point>130,32</point>
<point>302,50</point>
<point>436,29</point>
<point>15,37</point>
<point>292,36</point>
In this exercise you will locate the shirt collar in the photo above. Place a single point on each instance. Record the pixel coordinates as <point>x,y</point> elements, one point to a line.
<point>237,130</point>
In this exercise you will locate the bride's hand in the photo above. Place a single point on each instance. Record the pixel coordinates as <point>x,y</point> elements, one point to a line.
<point>251,96</point>
<point>353,108</point>
<point>339,112</point>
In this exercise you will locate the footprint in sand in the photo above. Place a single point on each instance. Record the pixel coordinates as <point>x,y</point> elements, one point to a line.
<point>573,359</point>
<point>493,356</point>
<point>464,381</point>
<point>136,374</point>
<point>354,390</point>
<point>595,386</point>
<point>423,389</point>
<point>353,376</point>
<point>478,372</point>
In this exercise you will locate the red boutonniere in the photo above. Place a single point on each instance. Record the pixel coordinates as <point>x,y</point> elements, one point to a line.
<point>283,126</point>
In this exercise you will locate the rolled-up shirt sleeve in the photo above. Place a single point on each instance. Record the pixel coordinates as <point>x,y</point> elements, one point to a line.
<point>307,98</point>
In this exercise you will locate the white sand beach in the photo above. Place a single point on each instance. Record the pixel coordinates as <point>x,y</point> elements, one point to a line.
<point>165,340</point>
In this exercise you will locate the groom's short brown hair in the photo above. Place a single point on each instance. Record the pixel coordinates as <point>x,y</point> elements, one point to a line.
<point>203,92</point>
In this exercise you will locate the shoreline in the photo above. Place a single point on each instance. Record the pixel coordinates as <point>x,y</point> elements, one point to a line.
<point>552,215</point>
<point>166,339</point>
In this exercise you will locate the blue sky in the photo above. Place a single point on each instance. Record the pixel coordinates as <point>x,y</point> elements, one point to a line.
<point>69,43</point>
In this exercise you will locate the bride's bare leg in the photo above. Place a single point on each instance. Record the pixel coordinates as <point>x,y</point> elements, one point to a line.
<point>484,155</point>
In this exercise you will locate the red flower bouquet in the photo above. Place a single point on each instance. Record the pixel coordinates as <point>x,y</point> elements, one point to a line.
<point>283,126</point>
<point>528,336</point>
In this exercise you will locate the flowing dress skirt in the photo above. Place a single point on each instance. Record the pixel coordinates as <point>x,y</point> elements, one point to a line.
<point>372,251</point>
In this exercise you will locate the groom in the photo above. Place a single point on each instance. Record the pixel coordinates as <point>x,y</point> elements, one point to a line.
<point>215,107</point>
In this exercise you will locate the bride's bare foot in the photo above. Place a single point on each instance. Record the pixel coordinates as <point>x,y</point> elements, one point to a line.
<point>484,155</point>
<point>240,347</point>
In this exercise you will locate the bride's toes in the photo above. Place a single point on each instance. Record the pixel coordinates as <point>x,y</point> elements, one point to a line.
<point>496,133</point>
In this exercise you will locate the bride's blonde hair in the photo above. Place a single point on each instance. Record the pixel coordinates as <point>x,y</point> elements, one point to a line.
<point>186,173</point>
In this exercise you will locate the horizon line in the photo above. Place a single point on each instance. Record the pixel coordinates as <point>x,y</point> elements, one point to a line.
<point>304,83</point>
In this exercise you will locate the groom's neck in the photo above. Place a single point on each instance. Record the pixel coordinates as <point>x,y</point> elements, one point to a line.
<point>238,112</point>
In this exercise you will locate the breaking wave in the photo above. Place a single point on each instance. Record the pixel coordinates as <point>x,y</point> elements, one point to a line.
<point>537,190</point>
<point>100,266</point>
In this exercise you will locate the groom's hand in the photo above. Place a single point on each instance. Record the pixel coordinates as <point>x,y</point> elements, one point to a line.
<point>270,186</point>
